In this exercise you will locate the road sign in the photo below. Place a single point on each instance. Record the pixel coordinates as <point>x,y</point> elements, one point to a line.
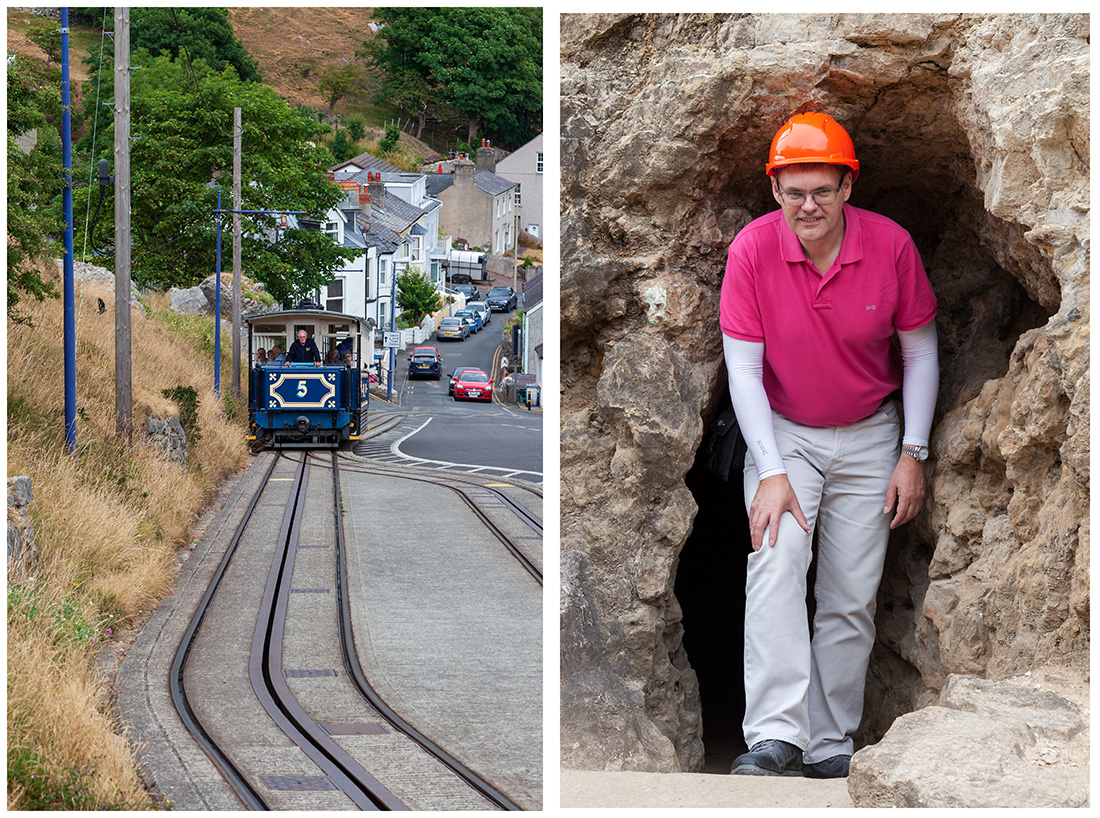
<point>391,339</point>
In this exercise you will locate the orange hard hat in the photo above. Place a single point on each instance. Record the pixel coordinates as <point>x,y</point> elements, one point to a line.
<point>812,137</point>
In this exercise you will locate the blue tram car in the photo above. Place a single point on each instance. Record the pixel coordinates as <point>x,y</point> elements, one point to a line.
<point>307,405</point>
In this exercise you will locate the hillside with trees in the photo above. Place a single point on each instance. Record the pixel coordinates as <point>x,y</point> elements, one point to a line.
<point>447,74</point>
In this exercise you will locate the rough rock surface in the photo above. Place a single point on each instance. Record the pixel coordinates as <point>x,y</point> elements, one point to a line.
<point>92,274</point>
<point>972,132</point>
<point>22,552</point>
<point>992,744</point>
<point>166,435</point>
<point>201,300</point>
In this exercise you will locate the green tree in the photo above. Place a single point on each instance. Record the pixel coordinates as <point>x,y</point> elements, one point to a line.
<point>182,117</point>
<point>338,81</point>
<point>389,141</point>
<point>341,148</point>
<point>417,295</point>
<point>484,62</point>
<point>35,182</point>
<point>207,33</point>
<point>356,128</point>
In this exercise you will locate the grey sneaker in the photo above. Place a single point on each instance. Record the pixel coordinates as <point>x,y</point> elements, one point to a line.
<point>834,767</point>
<point>769,757</point>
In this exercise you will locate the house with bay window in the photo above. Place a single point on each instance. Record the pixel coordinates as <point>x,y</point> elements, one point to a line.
<point>388,215</point>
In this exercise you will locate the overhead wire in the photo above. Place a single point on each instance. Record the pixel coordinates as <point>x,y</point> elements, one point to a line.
<point>95,131</point>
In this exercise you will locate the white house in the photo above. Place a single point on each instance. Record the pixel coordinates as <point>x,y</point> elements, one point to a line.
<point>524,166</point>
<point>387,214</point>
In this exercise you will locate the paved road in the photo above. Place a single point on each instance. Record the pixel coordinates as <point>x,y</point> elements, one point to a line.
<point>472,436</point>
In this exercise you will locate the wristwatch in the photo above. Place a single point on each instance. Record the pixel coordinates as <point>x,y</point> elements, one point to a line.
<point>916,452</point>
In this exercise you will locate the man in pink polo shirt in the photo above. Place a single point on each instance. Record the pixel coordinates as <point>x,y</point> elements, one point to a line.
<point>813,296</point>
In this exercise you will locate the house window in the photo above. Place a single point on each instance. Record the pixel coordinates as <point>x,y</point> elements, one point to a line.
<point>382,265</point>
<point>334,296</point>
<point>434,270</point>
<point>416,248</point>
<point>518,200</point>
<point>332,230</point>
<point>538,163</point>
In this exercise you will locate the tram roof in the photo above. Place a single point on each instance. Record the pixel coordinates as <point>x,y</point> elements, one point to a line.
<point>310,314</point>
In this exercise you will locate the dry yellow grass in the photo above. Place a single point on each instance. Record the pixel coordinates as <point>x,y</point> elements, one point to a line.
<point>107,521</point>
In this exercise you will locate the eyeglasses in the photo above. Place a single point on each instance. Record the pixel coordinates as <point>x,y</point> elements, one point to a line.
<point>823,196</point>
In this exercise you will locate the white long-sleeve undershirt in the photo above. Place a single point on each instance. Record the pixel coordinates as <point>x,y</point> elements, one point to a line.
<point>745,366</point>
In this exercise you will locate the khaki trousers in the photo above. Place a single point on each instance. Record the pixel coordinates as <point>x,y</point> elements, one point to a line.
<point>809,692</point>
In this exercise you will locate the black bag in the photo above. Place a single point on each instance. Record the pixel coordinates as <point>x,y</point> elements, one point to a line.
<point>724,446</point>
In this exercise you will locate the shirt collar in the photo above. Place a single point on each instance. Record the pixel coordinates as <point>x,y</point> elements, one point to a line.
<point>851,249</point>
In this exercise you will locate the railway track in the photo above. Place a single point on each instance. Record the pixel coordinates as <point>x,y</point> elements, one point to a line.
<point>316,733</point>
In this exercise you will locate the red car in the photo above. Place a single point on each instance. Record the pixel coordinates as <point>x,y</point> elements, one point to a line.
<point>473,384</point>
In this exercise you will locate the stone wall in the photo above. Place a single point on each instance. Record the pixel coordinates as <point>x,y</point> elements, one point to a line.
<point>973,132</point>
<point>22,552</point>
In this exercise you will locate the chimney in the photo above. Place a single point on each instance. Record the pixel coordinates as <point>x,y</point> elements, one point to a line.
<point>331,175</point>
<point>376,189</point>
<point>486,156</point>
<point>364,199</point>
<point>464,172</point>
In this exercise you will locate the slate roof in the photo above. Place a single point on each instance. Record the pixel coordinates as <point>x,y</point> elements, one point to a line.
<point>492,184</point>
<point>367,162</point>
<point>377,234</point>
<point>484,180</point>
<point>439,181</point>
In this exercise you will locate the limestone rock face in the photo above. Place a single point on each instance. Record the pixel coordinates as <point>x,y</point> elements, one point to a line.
<point>972,132</point>
<point>22,551</point>
<point>992,744</point>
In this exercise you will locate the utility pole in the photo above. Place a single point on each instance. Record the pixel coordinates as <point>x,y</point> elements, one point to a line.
<point>69,309</point>
<point>236,333</point>
<point>123,393</point>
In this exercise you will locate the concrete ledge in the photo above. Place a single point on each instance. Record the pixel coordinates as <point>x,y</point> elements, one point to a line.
<point>582,788</point>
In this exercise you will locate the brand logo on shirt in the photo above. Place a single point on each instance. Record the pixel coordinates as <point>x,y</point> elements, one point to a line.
<point>871,307</point>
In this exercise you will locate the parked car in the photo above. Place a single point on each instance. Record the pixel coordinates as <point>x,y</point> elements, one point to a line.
<point>473,317</point>
<point>473,384</point>
<point>451,328</point>
<point>501,298</point>
<point>469,290</point>
<point>455,376</point>
<point>426,362</point>
<point>481,307</point>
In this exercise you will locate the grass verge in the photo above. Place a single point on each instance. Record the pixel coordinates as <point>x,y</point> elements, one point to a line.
<point>107,520</point>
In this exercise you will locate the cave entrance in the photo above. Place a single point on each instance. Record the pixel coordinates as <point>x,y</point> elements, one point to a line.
<point>922,176</point>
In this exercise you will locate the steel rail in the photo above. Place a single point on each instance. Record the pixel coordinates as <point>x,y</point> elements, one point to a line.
<point>359,679</point>
<point>233,776</point>
<point>265,672</point>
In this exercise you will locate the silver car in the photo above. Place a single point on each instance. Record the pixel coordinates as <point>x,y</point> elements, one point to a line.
<point>482,308</point>
<point>452,328</point>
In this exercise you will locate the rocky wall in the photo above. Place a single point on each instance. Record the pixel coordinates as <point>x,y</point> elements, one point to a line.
<point>973,132</point>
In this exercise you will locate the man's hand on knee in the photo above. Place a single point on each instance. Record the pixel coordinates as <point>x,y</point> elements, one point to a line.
<point>774,496</point>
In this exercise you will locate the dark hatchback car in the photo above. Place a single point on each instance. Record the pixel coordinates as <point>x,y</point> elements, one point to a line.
<point>501,298</point>
<point>426,362</point>
<point>469,290</point>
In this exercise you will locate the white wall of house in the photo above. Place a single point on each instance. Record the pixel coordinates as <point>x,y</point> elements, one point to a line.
<point>525,166</point>
<point>504,217</point>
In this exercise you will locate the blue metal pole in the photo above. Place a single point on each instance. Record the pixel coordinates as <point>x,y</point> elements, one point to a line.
<point>67,206</point>
<point>218,306</point>
<point>393,327</point>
